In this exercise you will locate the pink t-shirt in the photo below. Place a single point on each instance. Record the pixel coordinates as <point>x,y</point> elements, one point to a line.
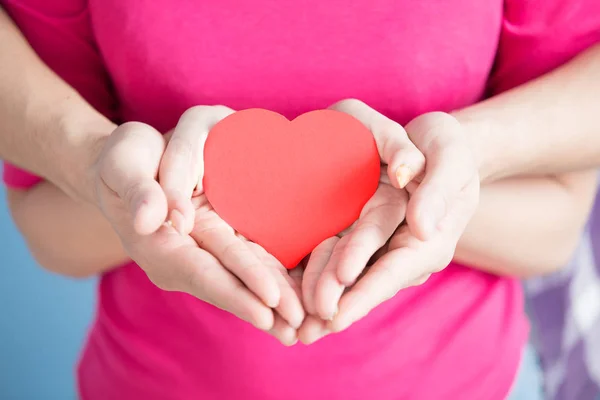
<point>459,336</point>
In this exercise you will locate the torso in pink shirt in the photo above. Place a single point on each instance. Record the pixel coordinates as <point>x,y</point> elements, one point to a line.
<point>459,336</point>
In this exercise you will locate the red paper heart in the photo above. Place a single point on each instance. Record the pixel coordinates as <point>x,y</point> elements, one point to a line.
<point>289,185</point>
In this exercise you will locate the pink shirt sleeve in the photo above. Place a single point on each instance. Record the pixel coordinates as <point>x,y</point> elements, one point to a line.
<point>17,178</point>
<point>539,35</point>
<point>61,34</point>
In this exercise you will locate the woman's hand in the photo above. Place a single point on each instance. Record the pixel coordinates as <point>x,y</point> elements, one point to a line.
<point>197,253</point>
<point>442,199</point>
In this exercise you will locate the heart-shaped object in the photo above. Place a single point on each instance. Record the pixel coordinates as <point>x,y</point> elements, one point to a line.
<point>289,185</point>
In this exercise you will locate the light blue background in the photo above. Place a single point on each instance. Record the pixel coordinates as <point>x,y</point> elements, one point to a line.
<point>43,321</point>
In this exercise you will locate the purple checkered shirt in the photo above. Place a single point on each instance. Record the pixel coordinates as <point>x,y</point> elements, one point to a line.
<point>565,314</point>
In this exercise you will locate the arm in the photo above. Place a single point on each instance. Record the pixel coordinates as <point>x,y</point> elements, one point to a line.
<point>525,227</point>
<point>546,126</point>
<point>544,129</point>
<point>47,127</point>
<point>65,236</point>
<point>50,130</point>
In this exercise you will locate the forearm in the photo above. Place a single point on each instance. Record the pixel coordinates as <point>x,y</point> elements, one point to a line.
<point>547,126</point>
<point>528,226</point>
<point>65,236</point>
<point>47,128</point>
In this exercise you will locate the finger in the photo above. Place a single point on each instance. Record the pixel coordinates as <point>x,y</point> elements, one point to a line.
<point>314,268</point>
<point>409,262</point>
<point>380,217</point>
<point>284,332</point>
<point>195,271</point>
<point>329,289</point>
<point>290,306</point>
<point>128,168</point>
<point>312,330</point>
<point>395,148</point>
<point>217,238</point>
<point>450,169</point>
<point>383,280</point>
<point>297,274</point>
<point>182,165</point>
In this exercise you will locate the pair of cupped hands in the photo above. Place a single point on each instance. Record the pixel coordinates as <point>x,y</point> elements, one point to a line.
<point>149,187</point>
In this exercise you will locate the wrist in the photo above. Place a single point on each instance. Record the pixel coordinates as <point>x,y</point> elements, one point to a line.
<point>86,140</point>
<point>481,137</point>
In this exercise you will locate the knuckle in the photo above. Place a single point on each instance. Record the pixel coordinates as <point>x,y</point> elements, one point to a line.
<point>105,167</point>
<point>227,300</point>
<point>392,133</point>
<point>354,247</point>
<point>130,191</point>
<point>138,132</point>
<point>206,231</point>
<point>231,250</point>
<point>236,253</point>
<point>401,238</point>
<point>188,278</point>
<point>202,111</point>
<point>420,280</point>
<point>194,112</point>
<point>354,102</point>
<point>339,250</point>
<point>368,226</point>
<point>441,145</point>
<point>349,103</point>
<point>396,203</point>
<point>390,275</point>
<point>390,128</point>
<point>197,280</point>
<point>368,229</point>
<point>418,156</point>
<point>348,230</point>
<point>325,247</point>
<point>131,127</point>
<point>435,128</point>
<point>179,148</point>
<point>221,109</point>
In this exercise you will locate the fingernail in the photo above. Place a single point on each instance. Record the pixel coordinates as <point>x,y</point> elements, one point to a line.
<point>337,326</point>
<point>332,316</point>
<point>403,175</point>
<point>273,303</point>
<point>297,324</point>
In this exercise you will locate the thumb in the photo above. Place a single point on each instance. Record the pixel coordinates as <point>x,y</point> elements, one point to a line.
<point>450,169</point>
<point>128,167</point>
<point>404,160</point>
<point>182,166</point>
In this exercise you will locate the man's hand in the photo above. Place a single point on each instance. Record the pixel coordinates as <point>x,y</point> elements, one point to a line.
<point>442,200</point>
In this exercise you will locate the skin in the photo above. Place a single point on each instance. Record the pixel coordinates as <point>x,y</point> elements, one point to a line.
<point>123,183</point>
<point>508,232</point>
